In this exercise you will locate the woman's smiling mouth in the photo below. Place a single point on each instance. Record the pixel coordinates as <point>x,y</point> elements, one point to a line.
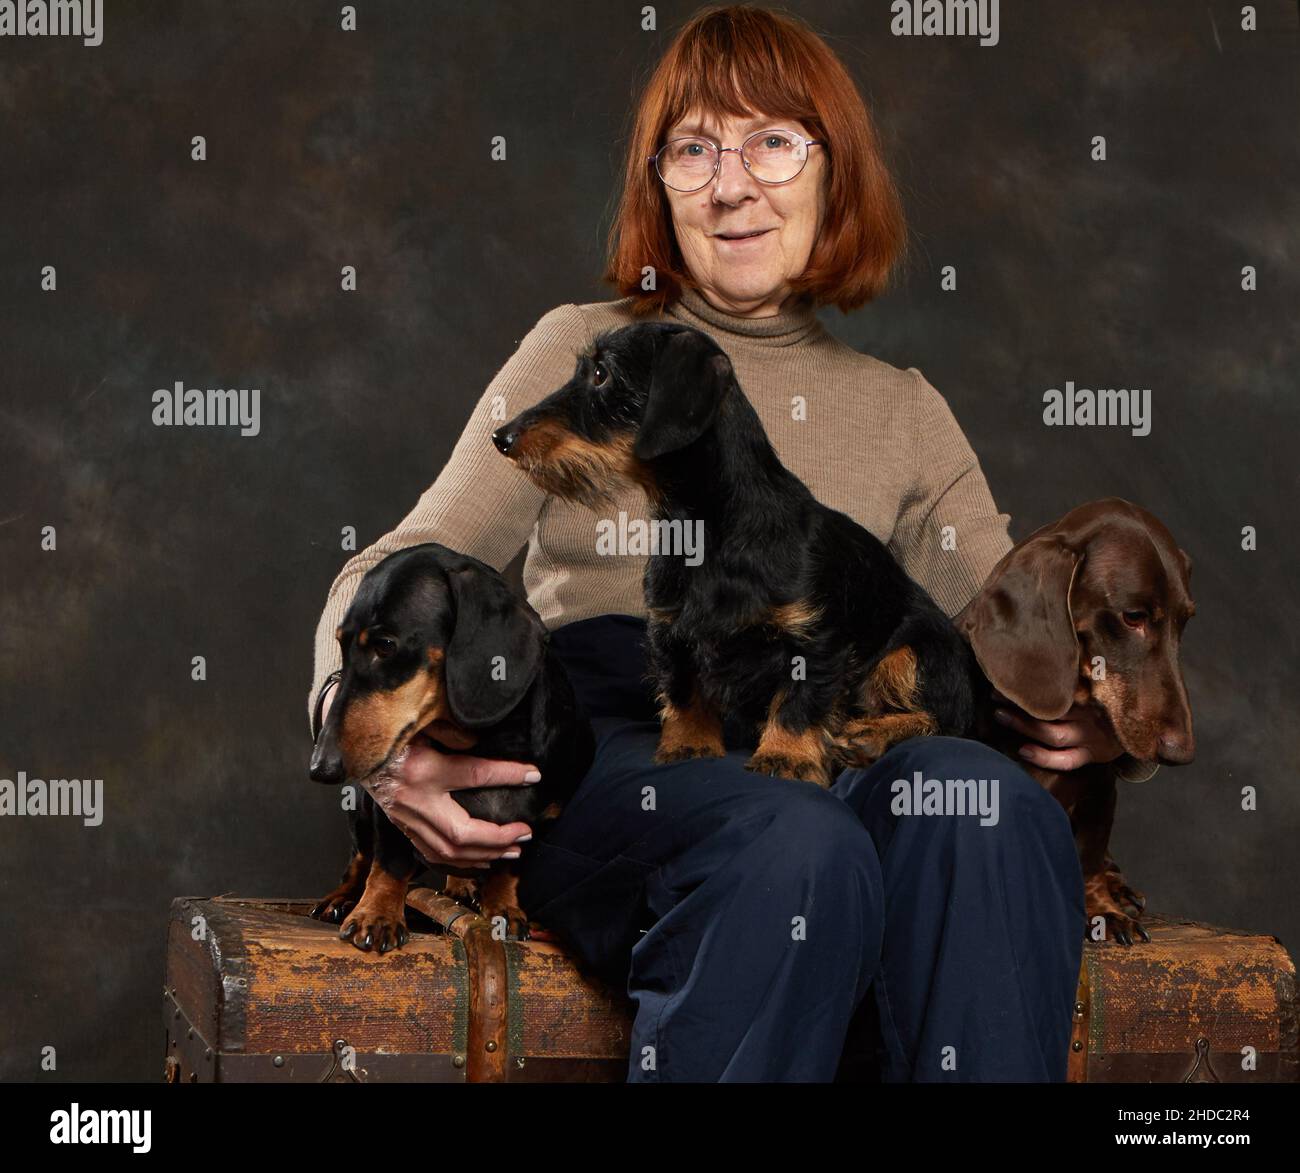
<point>738,239</point>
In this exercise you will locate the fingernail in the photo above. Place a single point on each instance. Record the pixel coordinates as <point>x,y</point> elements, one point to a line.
<point>1002,716</point>
<point>533,776</point>
<point>524,838</point>
<point>512,855</point>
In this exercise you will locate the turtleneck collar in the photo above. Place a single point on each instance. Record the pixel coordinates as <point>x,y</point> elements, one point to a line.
<point>794,323</point>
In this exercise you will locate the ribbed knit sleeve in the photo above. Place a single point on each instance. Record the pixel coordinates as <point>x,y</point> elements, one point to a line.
<point>949,533</point>
<point>480,504</point>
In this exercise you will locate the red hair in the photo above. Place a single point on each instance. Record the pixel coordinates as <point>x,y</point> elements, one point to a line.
<point>736,60</point>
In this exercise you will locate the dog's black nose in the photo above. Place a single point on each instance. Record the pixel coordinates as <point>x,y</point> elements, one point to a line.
<point>504,438</point>
<point>326,764</point>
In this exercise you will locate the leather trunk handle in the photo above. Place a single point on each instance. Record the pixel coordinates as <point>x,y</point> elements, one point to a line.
<point>453,918</point>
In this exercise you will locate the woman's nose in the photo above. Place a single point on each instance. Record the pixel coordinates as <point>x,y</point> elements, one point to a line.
<point>732,180</point>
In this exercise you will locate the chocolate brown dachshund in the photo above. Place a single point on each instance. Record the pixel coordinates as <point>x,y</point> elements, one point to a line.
<point>1090,609</point>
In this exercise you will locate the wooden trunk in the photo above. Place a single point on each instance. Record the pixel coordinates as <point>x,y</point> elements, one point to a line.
<point>257,991</point>
<point>1181,1008</point>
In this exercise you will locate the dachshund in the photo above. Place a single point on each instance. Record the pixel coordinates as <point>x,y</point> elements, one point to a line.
<point>1090,610</point>
<point>796,621</point>
<point>437,646</point>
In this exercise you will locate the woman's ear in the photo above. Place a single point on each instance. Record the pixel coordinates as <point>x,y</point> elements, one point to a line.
<point>1021,628</point>
<point>495,650</point>
<point>690,377</point>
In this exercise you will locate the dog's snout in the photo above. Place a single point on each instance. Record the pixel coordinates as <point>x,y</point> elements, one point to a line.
<point>504,438</point>
<point>326,763</point>
<point>1176,747</point>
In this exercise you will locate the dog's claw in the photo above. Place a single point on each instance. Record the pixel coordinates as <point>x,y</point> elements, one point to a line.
<point>331,910</point>
<point>1141,932</point>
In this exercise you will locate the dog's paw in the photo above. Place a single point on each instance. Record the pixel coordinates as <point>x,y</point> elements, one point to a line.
<point>462,889</point>
<point>780,765</point>
<point>510,917</point>
<point>375,926</point>
<point>666,755</point>
<point>1120,891</point>
<point>1098,902</point>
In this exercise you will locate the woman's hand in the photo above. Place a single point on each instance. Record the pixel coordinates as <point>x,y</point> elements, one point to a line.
<point>415,792</point>
<point>1083,735</point>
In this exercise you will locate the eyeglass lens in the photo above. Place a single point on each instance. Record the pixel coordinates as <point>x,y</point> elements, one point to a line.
<point>774,156</point>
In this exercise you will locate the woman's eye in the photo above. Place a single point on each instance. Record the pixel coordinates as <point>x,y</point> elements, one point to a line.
<point>1134,618</point>
<point>384,646</point>
<point>599,375</point>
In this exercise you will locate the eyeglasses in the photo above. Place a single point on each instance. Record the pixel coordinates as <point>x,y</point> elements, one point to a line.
<point>770,156</point>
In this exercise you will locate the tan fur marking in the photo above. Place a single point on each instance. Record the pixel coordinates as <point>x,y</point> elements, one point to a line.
<point>791,753</point>
<point>893,683</point>
<point>802,746</point>
<point>865,739</point>
<point>378,725</point>
<point>384,897</point>
<point>577,469</point>
<point>693,731</point>
<point>797,618</point>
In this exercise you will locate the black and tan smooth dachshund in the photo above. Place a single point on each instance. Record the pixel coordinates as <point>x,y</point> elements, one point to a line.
<point>1090,610</point>
<point>437,646</point>
<point>795,620</point>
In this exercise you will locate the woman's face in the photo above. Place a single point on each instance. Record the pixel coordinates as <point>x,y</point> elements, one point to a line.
<point>749,277</point>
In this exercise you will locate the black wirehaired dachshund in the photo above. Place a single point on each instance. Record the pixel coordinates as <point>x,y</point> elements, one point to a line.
<point>797,621</point>
<point>436,645</point>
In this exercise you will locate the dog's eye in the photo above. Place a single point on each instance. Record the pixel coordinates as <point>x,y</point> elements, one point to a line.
<point>1135,618</point>
<point>599,375</point>
<point>383,646</point>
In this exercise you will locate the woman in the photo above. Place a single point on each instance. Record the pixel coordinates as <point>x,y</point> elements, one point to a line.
<point>750,916</point>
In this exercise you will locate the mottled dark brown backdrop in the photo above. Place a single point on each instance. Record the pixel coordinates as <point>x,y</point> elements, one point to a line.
<point>371,148</point>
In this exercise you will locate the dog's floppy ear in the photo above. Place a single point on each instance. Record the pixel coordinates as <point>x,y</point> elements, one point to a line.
<point>690,377</point>
<point>1021,628</point>
<point>495,650</point>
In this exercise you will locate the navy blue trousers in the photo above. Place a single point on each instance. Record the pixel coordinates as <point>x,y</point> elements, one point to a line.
<point>756,921</point>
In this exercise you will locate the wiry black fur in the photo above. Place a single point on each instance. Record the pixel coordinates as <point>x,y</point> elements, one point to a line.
<point>702,453</point>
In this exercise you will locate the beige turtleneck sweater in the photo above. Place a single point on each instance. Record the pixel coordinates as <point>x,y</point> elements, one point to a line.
<point>873,441</point>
